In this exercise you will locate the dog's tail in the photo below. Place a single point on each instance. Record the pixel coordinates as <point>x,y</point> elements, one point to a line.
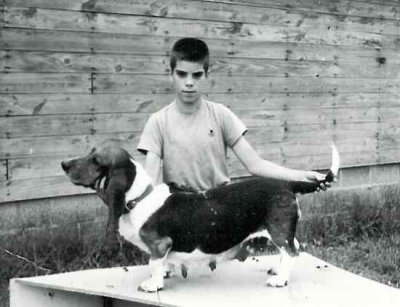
<point>309,187</point>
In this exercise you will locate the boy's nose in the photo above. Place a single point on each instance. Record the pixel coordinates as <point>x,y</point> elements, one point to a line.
<point>189,82</point>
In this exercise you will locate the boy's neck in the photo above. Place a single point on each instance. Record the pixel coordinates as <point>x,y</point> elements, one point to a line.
<point>188,108</point>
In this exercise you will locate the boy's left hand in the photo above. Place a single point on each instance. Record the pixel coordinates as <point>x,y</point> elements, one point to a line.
<point>316,176</point>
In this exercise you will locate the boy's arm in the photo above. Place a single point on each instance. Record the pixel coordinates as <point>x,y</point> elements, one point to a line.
<point>263,168</point>
<point>153,166</point>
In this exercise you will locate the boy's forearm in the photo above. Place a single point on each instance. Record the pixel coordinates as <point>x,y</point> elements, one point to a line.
<point>264,168</point>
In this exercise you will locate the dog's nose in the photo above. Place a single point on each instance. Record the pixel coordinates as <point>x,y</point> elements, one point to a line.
<point>64,166</point>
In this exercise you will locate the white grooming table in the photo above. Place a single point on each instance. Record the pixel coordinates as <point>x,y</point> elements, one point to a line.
<point>313,283</point>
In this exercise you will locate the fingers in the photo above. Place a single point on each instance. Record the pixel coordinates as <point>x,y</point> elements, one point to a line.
<point>323,186</point>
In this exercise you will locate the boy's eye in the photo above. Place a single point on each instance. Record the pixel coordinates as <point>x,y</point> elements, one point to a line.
<point>181,74</point>
<point>198,75</point>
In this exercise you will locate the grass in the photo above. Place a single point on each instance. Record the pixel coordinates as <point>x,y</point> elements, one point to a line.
<point>377,258</point>
<point>363,239</point>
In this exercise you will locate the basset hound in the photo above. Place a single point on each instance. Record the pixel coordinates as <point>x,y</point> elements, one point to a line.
<point>183,227</point>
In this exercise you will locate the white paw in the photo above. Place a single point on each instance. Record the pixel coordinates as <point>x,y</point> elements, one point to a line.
<point>277,281</point>
<point>151,285</point>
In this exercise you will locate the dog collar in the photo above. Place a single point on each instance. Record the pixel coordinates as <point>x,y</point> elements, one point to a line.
<point>130,204</point>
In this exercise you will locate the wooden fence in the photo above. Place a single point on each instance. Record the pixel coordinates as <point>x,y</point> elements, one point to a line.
<point>299,73</point>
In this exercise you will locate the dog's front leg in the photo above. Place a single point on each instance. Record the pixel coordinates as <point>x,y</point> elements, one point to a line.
<point>156,280</point>
<point>159,249</point>
<point>282,271</point>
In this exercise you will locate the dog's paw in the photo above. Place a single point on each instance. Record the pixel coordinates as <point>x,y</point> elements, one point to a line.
<point>151,285</point>
<point>277,281</point>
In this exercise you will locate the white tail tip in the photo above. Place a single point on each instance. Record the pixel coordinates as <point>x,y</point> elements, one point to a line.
<point>335,160</point>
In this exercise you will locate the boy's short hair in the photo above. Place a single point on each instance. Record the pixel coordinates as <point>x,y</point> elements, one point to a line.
<point>191,50</point>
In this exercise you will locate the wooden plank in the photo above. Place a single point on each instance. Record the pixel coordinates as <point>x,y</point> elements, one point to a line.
<point>316,162</point>
<point>303,68</point>
<point>122,122</point>
<point>289,117</point>
<point>44,83</point>
<point>50,104</point>
<point>343,7</point>
<point>51,125</point>
<point>106,83</point>
<point>39,40</point>
<point>302,51</point>
<point>390,114</point>
<point>389,135</point>
<point>47,40</point>
<point>36,167</point>
<point>388,156</point>
<point>61,62</point>
<point>40,167</point>
<point>144,25</point>
<point>332,130</point>
<point>60,146</point>
<point>315,153</point>
<point>36,61</point>
<point>24,189</point>
<point>239,13</point>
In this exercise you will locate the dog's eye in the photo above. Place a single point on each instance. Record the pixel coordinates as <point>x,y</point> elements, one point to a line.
<point>95,160</point>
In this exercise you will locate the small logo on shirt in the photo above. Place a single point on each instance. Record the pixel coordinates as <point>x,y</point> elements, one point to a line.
<point>211,132</point>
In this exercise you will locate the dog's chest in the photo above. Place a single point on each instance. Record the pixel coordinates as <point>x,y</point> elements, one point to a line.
<point>131,223</point>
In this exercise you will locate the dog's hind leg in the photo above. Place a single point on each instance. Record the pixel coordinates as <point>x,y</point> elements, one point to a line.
<point>282,271</point>
<point>159,250</point>
<point>282,228</point>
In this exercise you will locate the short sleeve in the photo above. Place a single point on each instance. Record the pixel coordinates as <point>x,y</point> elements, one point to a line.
<point>233,128</point>
<point>151,138</point>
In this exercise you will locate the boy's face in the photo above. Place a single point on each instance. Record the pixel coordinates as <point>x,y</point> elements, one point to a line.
<point>188,79</point>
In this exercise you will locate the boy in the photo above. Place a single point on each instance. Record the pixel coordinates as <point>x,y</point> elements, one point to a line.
<point>189,137</point>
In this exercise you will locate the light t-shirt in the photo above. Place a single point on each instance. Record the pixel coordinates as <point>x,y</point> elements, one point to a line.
<point>193,147</point>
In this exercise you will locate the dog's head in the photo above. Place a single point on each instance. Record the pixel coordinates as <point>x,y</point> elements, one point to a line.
<point>101,160</point>
<point>112,163</point>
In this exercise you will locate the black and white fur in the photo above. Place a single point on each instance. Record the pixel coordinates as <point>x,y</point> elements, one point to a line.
<point>179,228</point>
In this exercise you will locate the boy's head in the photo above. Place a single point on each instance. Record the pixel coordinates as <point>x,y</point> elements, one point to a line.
<point>190,50</point>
